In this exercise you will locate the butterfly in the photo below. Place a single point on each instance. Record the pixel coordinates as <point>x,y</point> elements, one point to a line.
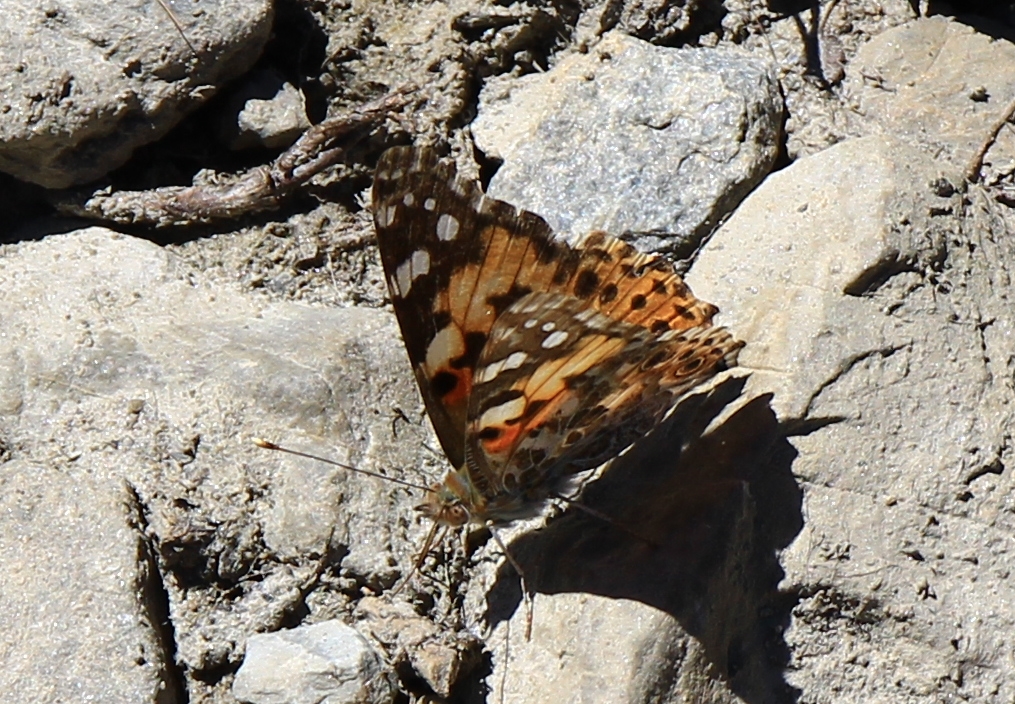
<point>535,359</point>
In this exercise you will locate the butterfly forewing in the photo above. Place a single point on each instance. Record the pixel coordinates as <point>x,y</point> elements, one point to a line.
<point>452,258</point>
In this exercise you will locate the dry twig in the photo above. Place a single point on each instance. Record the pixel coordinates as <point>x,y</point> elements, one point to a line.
<point>260,189</point>
<point>976,163</point>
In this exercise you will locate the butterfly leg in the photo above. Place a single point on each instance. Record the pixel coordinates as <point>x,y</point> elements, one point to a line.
<point>431,538</point>
<point>526,594</point>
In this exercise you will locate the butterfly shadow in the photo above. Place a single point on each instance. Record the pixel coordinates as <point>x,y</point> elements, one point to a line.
<point>712,511</point>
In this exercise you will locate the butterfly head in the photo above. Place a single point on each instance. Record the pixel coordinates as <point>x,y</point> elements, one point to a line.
<point>451,503</point>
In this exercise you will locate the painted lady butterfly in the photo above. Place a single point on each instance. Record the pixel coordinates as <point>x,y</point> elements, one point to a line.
<point>535,359</point>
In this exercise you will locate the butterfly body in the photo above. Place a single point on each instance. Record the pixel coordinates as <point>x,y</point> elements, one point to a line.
<point>535,359</point>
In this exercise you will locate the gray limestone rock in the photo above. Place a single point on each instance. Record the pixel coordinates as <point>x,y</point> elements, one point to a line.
<point>674,137</point>
<point>121,363</point>
<point>876,306</point>
<point>327,663</point>
<point>270,112</point>
<point>941,84</point>
<point>85,82</point>
<point>82,613</point>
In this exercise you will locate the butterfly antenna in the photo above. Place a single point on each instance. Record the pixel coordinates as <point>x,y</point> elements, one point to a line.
<point>428,543</point>
<point>526,594</point>
<point>607,519</point>
<point>267,445</point>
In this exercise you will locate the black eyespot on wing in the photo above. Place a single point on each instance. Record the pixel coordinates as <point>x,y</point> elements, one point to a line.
<point>546,250</point>
<point>443,383</point>
<point>567,266</point>
<point>500,302</point>
<point>608,294</point>
<point>489,433</point>
<point>500,398</point>
<point>534,407</point>
<point>586,284</point>
<point>441,319</point>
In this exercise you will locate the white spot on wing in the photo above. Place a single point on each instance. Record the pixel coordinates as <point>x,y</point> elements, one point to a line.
<point>515,360</point>
<point>531,323</point>
<point>530,307</point>
<point>554,340</point>
<point>411,269</point>
<point>446,344</point>
<point>447,227</point>
<point>498,415</point>
<point>429,204</point>
<point>386,216</point>
<point>403,278</point>
<point>420,263</point>
<point>409,199</point>
<point>548,327</point>
<point>490,371</point>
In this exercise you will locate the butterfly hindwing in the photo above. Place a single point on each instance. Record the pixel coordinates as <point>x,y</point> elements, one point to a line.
<point>561,388</point>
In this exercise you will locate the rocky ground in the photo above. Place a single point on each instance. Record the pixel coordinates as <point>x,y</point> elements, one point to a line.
<point>835,520</point>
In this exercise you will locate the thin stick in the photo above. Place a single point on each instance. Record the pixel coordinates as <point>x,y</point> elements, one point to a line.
<point>258,190</point>
<point>177,24</point>
<point>973,170</point>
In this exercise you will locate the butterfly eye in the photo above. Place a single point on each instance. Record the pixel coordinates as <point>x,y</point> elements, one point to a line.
<point>456,515</point>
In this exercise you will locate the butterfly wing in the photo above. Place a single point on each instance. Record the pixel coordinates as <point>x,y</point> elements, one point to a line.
<point>561,388</point>
<point>455,260</point>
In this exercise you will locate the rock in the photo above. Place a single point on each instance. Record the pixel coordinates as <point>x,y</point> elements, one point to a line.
<point>878,309</point>
<point>792,269</point>
<point>328,662</point>
<point>439,658</point>
<point>84,83</point>
<point>938,83</point>
<point>116,358</point>
<point>586,648</point>
<point>676,137</point>
<point>270,113</point>
<point>83,609</point>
